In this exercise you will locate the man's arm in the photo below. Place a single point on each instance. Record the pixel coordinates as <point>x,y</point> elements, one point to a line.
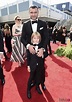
<point>46,37</point>
<point>23,36</point>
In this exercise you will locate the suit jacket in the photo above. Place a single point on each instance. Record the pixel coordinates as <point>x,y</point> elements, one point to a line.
<point>1,42</point>
<point>34,61</point>
<point>27,32</point>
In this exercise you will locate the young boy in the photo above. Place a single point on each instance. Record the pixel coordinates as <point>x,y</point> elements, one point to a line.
<point>35,64</point>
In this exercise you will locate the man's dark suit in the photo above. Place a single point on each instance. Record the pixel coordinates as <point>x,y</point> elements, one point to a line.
<point>1,50</point>
<point>26,36</point>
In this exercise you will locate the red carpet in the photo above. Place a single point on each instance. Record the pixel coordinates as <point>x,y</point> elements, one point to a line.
<point>58,81</point>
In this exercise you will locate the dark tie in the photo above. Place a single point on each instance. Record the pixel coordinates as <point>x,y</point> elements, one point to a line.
<point>35,44</point>
<point>34,22</point>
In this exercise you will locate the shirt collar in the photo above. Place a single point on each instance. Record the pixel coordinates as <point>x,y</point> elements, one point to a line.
<point>33,20</point>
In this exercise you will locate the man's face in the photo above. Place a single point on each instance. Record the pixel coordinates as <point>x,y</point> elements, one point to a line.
<point>33,13</point>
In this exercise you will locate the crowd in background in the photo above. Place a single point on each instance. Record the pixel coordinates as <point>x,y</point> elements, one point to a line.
<point>60,34</point>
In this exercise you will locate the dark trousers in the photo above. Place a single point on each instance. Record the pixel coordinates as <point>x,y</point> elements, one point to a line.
<point>54,38</point>
<point>35,76</point>
<point>8,43</point>
<point>1,72</point>
<point>43,76</point>
<point>5,55</point>
<point>49,47</point>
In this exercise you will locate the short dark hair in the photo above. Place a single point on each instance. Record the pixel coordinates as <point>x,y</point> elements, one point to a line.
<point>33,7</point>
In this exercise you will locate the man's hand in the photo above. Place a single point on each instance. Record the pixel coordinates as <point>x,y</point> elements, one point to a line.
<point>1,56</point>
<point>28,68</point>
<point>31,49</point>
<point>40,52</point>
<point>64,34</point>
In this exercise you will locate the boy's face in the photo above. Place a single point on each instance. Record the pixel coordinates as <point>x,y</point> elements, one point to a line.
<point>35,39</point>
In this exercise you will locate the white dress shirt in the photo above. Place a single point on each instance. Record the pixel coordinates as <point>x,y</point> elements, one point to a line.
<point>34,26</point>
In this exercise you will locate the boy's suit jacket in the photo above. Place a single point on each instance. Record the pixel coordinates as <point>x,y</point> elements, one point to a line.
<point>33,60</point>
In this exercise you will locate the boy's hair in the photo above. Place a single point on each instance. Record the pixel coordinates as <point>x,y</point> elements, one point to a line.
<point>35,34</point>
<point>33,7</point>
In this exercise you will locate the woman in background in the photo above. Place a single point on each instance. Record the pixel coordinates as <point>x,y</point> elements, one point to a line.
<point>18,50</point>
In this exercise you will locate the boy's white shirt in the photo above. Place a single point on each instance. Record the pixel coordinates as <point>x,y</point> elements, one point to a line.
<point>36,48</point>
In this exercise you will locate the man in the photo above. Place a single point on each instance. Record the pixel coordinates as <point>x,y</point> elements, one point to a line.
<point>1,54</point>
<point>35,25</point>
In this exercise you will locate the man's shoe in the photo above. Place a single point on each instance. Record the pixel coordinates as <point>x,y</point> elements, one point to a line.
<point>3,81</point>
<point>28,94</point>
<point>43,87</point>
<point>38,90</point>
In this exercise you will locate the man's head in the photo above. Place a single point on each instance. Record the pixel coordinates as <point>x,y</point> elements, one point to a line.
<point>33,10</point>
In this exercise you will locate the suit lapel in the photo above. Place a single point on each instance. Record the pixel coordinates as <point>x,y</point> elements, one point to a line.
<point>30,27</point>
<point>38,25</point>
